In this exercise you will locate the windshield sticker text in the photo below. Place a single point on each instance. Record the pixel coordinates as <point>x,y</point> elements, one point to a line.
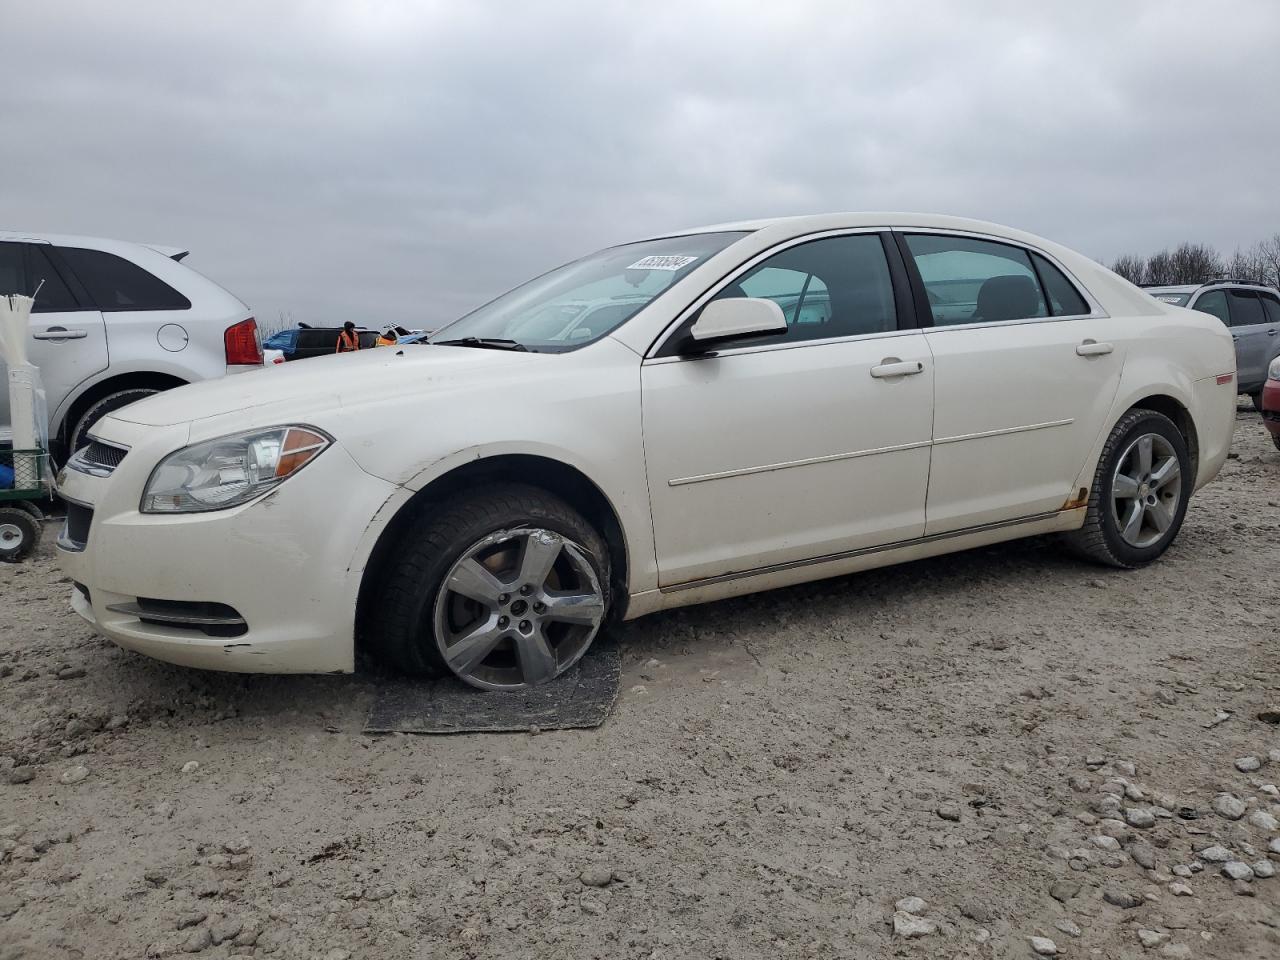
<point>662,263</point>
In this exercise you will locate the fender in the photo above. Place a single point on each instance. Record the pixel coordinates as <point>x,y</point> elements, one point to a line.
<point>151,366</point>
<point>631,507</point>
<point>1134,388</point>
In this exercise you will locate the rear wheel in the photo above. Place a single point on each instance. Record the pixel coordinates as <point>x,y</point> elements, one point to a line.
<point>19,534</point>
<point>1140,493</point>
<point>505,588</point>
<point>111,402</point>
<point>1257,400</point>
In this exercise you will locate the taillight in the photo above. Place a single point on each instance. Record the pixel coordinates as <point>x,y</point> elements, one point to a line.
<point>244,343</point>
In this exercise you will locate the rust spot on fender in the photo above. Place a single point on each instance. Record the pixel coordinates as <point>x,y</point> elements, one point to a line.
<point>1081,499</point>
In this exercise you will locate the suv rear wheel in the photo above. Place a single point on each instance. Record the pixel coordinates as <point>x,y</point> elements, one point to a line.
<point>111,402</point>
<point>505,588</point>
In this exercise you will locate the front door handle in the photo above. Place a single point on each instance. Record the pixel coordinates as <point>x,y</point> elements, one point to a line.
<point>60,333</point>
<point>893,367</point>
<point>1091,348</point>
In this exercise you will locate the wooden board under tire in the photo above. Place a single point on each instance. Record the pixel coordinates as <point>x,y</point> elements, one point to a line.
<point>582,698</point>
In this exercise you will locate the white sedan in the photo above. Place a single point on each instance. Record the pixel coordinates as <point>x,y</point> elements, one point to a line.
<point>772,402</point>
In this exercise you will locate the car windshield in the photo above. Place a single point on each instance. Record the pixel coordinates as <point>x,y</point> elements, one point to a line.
<point>582,301</point>
<point>1177,299</point>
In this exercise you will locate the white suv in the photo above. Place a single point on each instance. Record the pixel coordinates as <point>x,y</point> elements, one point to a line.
<point>114,322</point>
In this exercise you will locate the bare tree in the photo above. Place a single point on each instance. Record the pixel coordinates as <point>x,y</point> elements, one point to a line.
<point>1198,263</point>
<point>1159,268</point>
<point>1132,268</point>
<point>1268,253</point>
<point>1246,264</point>
<point>1195,263</point>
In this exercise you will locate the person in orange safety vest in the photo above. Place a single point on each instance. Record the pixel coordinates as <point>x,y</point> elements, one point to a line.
<point>348,339</point>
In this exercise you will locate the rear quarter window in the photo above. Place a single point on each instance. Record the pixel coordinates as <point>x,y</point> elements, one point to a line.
<point>1064,298</point>
<point>118,285</point>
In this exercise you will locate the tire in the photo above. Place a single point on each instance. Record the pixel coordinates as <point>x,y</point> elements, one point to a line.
<point>1275,438</point>
<point>1257,401</point>
<point>416,616</point>
<point>108,404</point>
<point>19,534</point>
<point>1104,538</point>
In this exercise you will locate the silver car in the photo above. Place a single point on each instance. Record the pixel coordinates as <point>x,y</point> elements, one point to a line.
<point>1252,312</point>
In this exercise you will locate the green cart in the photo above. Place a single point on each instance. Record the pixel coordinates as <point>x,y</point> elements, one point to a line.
<point>23,481</point>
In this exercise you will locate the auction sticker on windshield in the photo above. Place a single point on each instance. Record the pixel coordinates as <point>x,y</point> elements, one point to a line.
<point>662,263</point>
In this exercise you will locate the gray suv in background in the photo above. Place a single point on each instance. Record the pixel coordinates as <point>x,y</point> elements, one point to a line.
<point>1252,312</point>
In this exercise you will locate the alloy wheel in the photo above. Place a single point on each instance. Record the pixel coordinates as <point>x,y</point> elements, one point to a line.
<point>518,608</point>
<point>1146,489</point>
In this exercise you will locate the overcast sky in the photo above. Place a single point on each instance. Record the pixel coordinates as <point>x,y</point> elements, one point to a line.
<point>405,161</point>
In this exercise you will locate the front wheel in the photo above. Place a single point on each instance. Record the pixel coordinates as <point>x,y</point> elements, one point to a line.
<point>505,588</point>
<point>1140,493</point>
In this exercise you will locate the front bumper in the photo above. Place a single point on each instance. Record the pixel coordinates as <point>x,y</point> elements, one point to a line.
<point>283,563</point>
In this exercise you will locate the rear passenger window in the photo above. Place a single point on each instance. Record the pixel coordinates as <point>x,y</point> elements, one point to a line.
<point>13,275</point>
<point>52,295</point>
<point>1246,308</point>
<point>1214,303</point>
<point>118,285</point>
<point>835,287</point>
<point>976,281</point>
<point>24,270</point>
<point>1064,298</point>
<point>1271,306</point>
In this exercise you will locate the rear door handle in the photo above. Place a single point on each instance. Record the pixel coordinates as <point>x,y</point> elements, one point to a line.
<point>60,333</point>
<point>893,367</point>
<point>1091,348</point>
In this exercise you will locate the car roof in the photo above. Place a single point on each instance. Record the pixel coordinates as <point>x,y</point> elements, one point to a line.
<point>814,223</point>
<point>1193,287</point>
<point>90,243</point>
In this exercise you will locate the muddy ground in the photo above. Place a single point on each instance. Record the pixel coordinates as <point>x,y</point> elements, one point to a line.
<point>779,772</point>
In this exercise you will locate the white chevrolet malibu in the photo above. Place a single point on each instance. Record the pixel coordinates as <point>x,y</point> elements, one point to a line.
<point>696,416</point>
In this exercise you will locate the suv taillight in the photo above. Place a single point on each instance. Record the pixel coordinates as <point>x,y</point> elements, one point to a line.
<point>244,343</point>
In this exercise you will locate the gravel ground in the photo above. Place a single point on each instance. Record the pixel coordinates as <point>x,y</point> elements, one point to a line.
<point>1044,754</point>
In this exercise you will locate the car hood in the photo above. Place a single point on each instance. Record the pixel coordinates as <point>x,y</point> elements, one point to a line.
<point>306,388</point>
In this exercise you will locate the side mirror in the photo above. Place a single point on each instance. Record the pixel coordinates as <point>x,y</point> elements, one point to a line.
<point>737,317</point>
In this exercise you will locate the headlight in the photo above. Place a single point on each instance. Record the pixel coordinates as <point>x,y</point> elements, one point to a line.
<point>1273,371</point>
<point>231,470</point>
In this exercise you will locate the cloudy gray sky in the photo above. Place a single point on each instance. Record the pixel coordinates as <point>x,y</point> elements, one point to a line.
<point>405,161</point>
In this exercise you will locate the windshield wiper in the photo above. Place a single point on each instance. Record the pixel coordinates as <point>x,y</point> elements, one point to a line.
<point>484,343</point>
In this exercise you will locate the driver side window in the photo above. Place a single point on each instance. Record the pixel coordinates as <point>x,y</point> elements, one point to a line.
<point>834,287</point>
<point>1214,303</point>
